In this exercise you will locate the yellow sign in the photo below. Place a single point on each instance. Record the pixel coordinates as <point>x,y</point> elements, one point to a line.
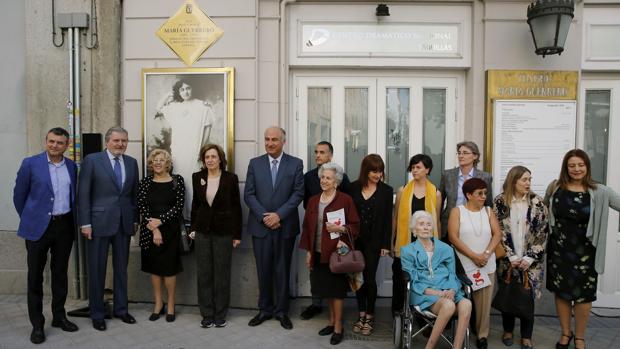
<point>189,33</point>
<point>525,84</point>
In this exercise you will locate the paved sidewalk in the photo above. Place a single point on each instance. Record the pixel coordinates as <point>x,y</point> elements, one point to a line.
<point>185,332</point>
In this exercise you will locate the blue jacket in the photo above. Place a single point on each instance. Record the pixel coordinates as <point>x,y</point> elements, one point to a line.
<point>415,262</point>
<point>261,196</point>
<point>33,195</point>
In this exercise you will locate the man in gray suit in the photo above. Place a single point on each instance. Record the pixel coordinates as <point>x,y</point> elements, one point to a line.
<point>451,185</point>
<point>107,216</point>
<point>274,188</point>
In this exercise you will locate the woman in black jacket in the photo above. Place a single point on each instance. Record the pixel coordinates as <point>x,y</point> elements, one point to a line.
<point>373,200</point>
<point>216,228</point>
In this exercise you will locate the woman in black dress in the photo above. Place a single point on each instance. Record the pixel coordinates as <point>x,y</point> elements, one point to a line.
<point>578,213</point>
<point>373,200</point>
<point>161,197</point>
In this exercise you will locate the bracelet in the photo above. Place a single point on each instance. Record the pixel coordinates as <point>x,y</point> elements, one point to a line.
<point>487,251</point>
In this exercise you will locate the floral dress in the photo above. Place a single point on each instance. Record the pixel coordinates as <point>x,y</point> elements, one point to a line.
<point>570,257</point>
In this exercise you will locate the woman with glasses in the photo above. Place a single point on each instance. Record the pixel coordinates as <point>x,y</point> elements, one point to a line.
<point>474,232</point>
<point>452,180</point>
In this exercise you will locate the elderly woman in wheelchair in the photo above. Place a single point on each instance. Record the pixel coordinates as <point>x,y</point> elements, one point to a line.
<point>434,286</point>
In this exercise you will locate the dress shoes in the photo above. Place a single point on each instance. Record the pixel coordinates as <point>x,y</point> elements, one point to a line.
<point>326,331</point>
<point>126,318</point>
<point>99,325</point>
<point>259,319</point>
<point>310,312</point>
<point>336,338</point>
<point>64,324</point>
<point>285,322</point>
<point>37,336</point>
<point>155,316</point>
<point>170,317</point>
<point>482,343</point>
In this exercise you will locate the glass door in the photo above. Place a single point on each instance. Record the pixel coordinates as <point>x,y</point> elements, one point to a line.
<point>599,136</point>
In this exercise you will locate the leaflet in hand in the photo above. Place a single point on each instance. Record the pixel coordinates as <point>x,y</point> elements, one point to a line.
<point>336,217</point>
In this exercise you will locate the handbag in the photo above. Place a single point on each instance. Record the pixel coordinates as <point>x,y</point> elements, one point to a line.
<point>514,297</point>
<point>500,251</point>
<point>351,262</point>
<point>185,244</point>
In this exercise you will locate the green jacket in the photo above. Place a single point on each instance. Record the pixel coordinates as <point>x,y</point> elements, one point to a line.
<point>601,199</point>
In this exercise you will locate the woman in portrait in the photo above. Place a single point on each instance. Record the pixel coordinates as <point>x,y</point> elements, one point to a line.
<point>373,200</point>
<point>522,218</point>
<point>161,197</point>
<point>474,232</point>
<point>320,238</point>
<point>434,285</point>
<point>190,120</point>
<point>452,180</point>
<point>417,195</point>
<point>578,213</point>
<point>216,229</point>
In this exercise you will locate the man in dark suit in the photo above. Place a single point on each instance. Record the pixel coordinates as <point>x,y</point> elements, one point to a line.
<point>274,188</point>
<point>323,153</point>
<point>107,216</point>
<point>44,196</point>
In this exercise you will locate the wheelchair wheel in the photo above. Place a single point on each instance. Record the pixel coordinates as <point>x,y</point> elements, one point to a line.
<point>407,332</point>
<point>397,327</point>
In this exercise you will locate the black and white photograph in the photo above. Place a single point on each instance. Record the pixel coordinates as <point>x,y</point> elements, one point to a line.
<point>184,109</point>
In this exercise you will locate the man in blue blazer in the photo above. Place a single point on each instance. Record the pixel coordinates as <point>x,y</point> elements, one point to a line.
<point>274,188</point>
<point>107,216</point>
<point>44,199</point>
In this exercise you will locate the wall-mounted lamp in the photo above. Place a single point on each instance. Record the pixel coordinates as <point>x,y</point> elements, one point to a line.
<point>549,22</point>
<point>382,10</point>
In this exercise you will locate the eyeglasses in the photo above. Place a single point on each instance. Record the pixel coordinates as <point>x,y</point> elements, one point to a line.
<point>463,153</point>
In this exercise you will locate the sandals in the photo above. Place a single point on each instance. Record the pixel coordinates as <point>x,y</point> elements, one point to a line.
<point>358,326</point>
<point>559,345</point>
<point>580,339</point>
<point>367,329</point>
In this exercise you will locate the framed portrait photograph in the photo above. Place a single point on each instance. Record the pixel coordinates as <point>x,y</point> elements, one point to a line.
<point>183,109</point>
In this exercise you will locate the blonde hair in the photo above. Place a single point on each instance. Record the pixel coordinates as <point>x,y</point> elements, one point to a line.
<point>156,152</point>
<point>510,182</point>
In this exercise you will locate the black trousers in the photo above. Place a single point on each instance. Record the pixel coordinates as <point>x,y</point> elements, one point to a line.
<point>213,264</point>
<point>367,294</point>
<point>58,240</point>
<point>526,327</point>
<point>399,286</point>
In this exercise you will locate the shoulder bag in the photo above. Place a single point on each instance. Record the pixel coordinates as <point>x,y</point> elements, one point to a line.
<point>515,297</point>
<point>351,262</point>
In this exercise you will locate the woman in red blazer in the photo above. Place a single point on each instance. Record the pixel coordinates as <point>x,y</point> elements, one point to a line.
<point>320,238</point>
<point>216,228</point>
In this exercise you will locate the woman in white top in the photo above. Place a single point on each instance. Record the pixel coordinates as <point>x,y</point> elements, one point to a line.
<point>522,218</point>
<point>474,233</point>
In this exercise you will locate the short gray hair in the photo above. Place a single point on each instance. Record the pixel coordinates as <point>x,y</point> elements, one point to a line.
<point>280,129</point>
<point>113,129</point>
<point>334,167</point>
<point>471,146</point>
<point>415,217</point>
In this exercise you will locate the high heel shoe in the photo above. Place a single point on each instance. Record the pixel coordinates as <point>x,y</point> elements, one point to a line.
<point>155,316</point>
<point>580,339</point>
<point>559,345</point>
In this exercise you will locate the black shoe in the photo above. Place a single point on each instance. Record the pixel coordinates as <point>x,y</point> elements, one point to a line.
<point>99,325</point>
<point>126,318</point>
<point>170,317</point>
<point>336,338</point>
<point>155,315</point>
<point>64,325</point>
<point>558,345</point>
<point>508,341</point>
<point>285,322</point>
<point>37,336</point>
<point>206,322</point>
<point>220,323</point>
<point>310,312</point>
<point>482,343</point>
<point>326,331</point>
<point>259,319</point>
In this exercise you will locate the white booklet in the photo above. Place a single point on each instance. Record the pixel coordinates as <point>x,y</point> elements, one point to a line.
<point>336,217</point>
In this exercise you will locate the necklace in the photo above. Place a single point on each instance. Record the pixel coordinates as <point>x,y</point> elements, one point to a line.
<point>327,199</point>
<point>476,232</point>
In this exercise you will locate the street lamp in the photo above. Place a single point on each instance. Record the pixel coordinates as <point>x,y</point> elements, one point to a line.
<point>549,21</point>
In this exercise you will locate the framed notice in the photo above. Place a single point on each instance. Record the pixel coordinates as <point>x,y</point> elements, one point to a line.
<point>535,134</point>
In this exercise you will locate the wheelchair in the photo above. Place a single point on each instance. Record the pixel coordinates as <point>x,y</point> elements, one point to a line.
<point>403,323</point>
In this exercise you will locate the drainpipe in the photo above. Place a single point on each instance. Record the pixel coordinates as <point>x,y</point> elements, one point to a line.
<point>283,71</point>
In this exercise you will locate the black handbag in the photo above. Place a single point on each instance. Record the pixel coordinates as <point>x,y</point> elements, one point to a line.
<point>515,297</point>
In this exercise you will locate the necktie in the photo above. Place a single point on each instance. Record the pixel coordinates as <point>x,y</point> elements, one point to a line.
<point>274,172</point>
<point>118,173</point>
